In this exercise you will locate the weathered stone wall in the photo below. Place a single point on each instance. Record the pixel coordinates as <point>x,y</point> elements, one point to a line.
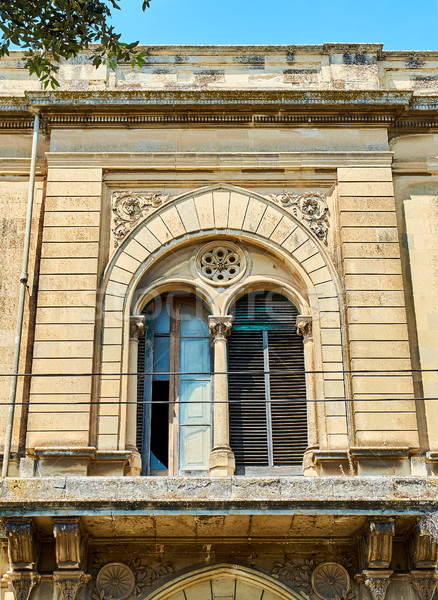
<point>331,67</point>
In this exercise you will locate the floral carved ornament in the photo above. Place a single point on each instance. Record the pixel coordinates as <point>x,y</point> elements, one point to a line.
<point>119,581</point>
<point>311,207</point>
<point>325,581</point>
<point>129,208</point>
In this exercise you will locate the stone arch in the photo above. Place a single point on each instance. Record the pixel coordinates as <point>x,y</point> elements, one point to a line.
<point>208,213</point>
<point>233,581</point>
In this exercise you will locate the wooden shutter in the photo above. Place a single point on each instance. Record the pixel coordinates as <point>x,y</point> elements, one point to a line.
<point>268,415</point>
<point>248,434</point>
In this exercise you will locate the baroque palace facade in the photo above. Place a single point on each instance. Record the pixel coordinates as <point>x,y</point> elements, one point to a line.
<point>227,384</point>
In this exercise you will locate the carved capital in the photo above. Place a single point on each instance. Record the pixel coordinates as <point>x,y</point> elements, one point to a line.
<point>68,583</point>
<point>377,582</point>
<point>22,583</point>
<point>220,327</point>
<point>380,544</point>
<point>69,543</point>
<point>304,326</point>
<point>136,326</point>
<point>21,544</point>
<point>424,583</point>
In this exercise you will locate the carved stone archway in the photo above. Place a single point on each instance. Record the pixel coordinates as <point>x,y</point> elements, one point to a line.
<point>224,581</point>
<point>220,210</point>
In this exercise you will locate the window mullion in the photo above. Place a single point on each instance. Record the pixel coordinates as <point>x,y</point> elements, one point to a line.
<point>268,398</point>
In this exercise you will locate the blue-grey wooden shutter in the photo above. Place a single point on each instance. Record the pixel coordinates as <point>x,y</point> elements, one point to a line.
<point>267,391</point>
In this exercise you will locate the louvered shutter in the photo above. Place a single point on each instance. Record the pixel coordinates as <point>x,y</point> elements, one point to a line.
<point>268,415</point>
<point>140,394</point>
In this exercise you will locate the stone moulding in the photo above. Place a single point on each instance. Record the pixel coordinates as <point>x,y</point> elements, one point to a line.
<point>311,207</point>
<point>129,208</point>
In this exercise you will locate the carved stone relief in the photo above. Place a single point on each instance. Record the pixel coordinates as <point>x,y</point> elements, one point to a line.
<point>118,581</point>
<point>129,208</point>
<point>310,207</point>
<point>424,583</point>
<point>220,327</point>
<point>221,264</point>
<point>22,584</point>
<point>69,582</point>
<point>330,581</point>
<point>378,584</point>
<point>304,326</point>
<point>326,581</point>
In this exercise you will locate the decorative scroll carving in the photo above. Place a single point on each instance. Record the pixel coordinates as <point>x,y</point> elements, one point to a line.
<point>312,207</point>
<point>136,326</point>
<point>378,584</point>
<point>220,327</point>
<point>304,326</point>
<point>129,208</point>
<point>330,581</point>
<point>380,544</point>
<point>69,544</point>
<point>221,264</point>
<point>424,582</point>
<point>22,584</point>
<point>21,544</point>
<point>69,583</point>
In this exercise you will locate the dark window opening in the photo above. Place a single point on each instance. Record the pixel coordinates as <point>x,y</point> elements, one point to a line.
<point>174,412</point>
<point>160,428</point>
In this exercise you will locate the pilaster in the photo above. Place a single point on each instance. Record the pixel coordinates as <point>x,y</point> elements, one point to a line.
<point>377,325</point>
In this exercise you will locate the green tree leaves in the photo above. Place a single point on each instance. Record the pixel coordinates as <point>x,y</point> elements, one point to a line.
<point>48,30</point>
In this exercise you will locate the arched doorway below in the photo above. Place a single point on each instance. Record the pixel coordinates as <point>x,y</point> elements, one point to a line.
<point>224,582</point>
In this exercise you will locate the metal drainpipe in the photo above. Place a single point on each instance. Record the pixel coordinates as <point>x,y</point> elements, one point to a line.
<point>23,287</point>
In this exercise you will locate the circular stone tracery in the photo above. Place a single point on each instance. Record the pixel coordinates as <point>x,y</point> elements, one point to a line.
<point>221,264</point>
<point>330,581</point>
<point>116,581</point>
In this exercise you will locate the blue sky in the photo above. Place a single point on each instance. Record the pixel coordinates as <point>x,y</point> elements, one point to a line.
<point>398,24</point>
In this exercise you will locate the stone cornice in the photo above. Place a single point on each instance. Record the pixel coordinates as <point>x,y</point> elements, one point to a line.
<point>146,99</point>
<point>201,495</point>
<point>219,160</point>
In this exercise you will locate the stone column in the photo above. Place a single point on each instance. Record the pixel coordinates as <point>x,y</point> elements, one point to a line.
<point>222,461</point>
<point>136,329</point>
<point>304,329</point>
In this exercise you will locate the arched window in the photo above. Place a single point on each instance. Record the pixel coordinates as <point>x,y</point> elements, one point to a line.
<point>174,417</point>
<point>267,388</point>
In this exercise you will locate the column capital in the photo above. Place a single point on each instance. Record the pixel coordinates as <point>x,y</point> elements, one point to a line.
<point>304,327</point>
<point>220,327</point>
<point>424,582</point>
<point>69,582</point>
<point>378,582</point>
<point>136,326</point>
<point>22,583</point>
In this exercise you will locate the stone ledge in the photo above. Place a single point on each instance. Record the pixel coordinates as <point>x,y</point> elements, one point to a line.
<point>197,495</point>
